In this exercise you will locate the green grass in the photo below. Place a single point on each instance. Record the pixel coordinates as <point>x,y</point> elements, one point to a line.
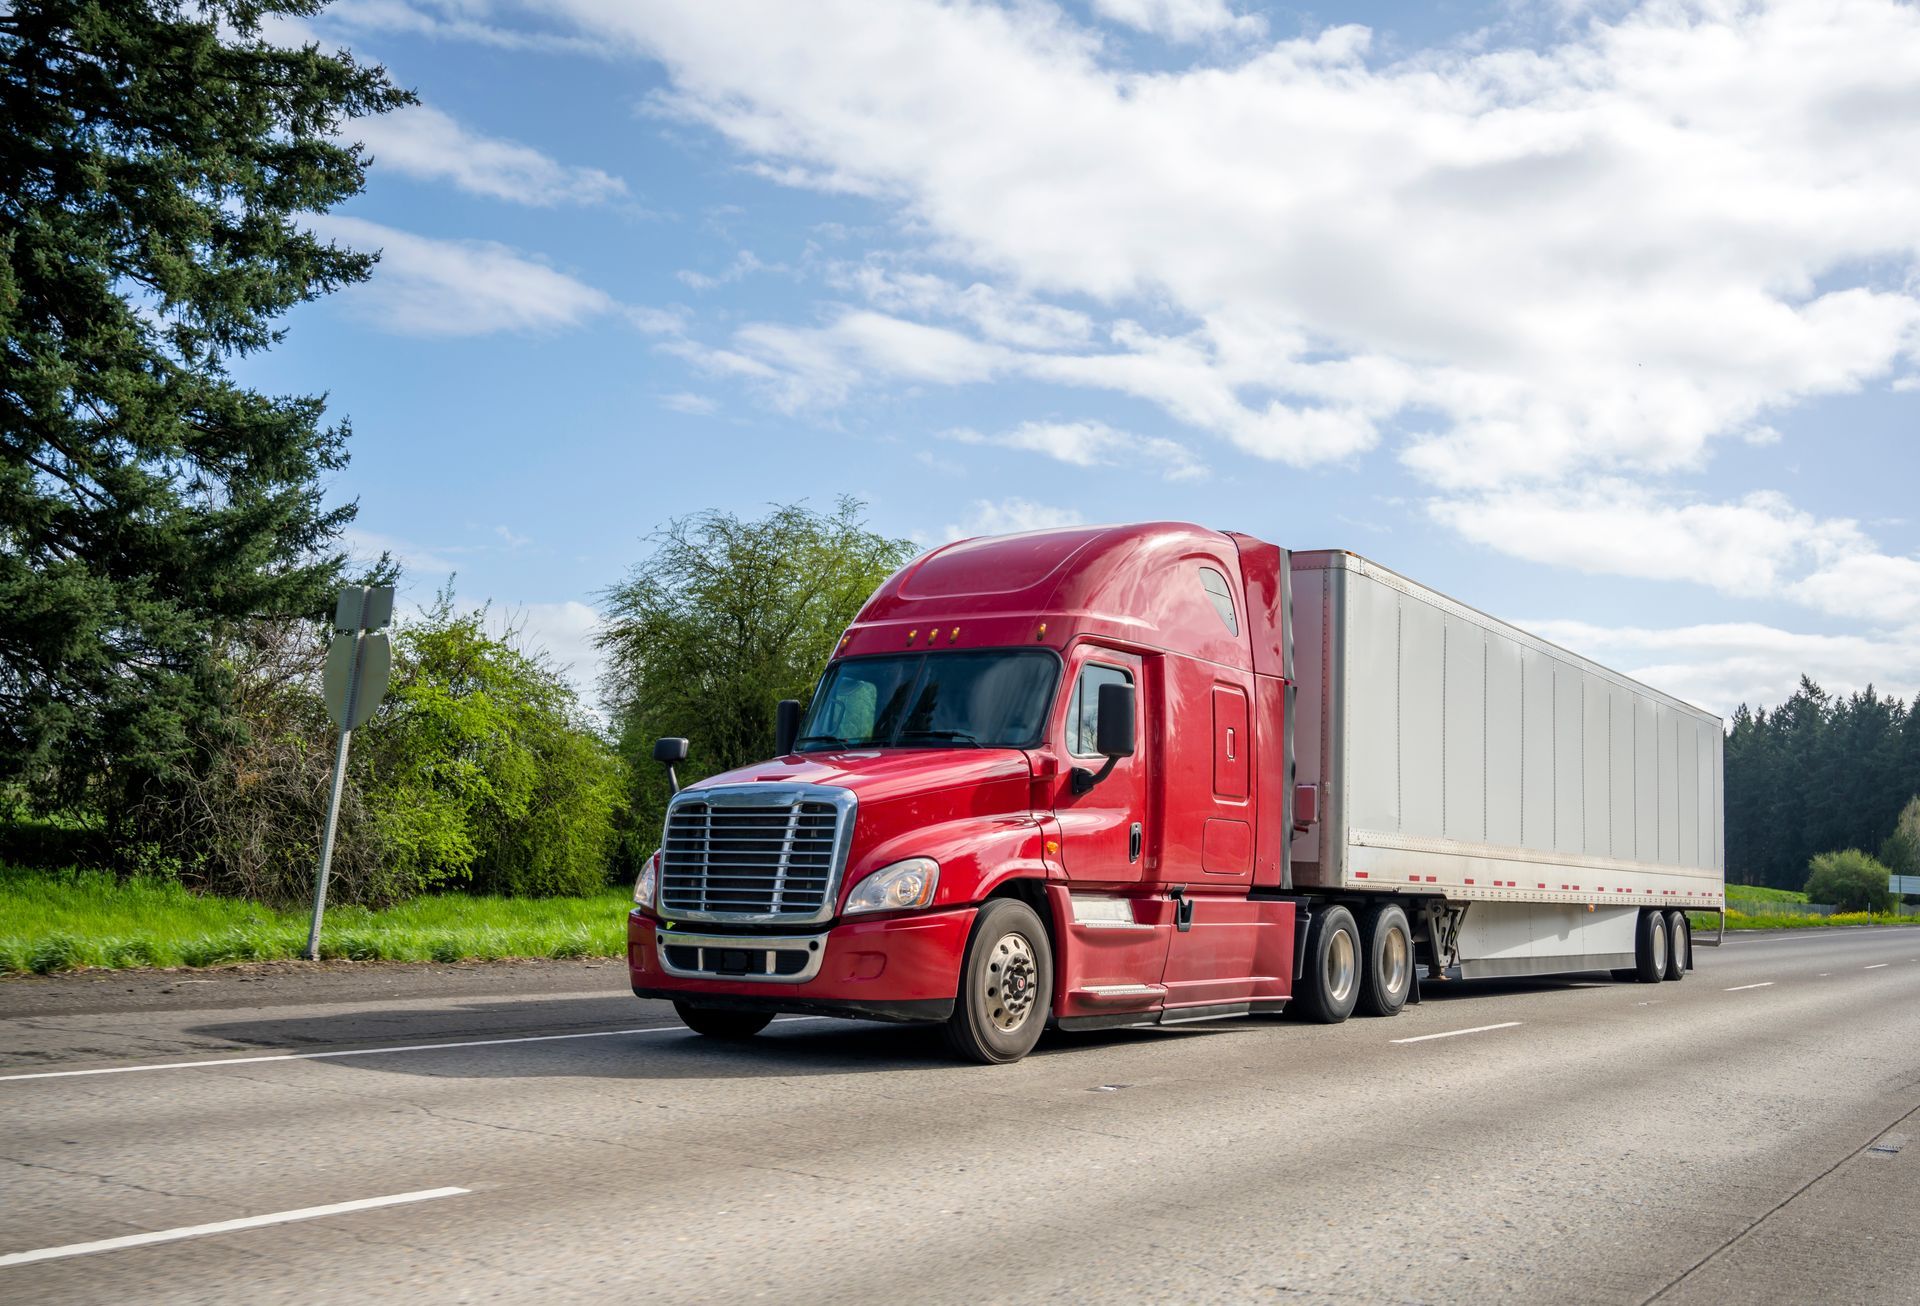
<point>66,920</point>
<point>1758,893</point>
<point>1739,920</point>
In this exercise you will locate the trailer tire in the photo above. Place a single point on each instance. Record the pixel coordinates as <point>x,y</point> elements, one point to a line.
<point>1679,945</point>
<point>1006,985</point>
<point>1387,981</point>
<point>715,1022</point>
<point>1651,948</point>
<point>1330,981</point>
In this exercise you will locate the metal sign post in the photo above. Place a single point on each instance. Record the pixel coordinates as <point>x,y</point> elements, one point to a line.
<point>359,662</point>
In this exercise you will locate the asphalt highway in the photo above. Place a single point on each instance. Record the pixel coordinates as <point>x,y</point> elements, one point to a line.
<point>1750,1134</point>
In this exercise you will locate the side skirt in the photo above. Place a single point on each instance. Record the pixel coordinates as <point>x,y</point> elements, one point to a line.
<point>1177,1016</point>
<point>1508,967</point>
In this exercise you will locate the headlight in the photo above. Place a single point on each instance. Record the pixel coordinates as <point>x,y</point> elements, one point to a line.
<point>897,887</point>
<point>648,879</point>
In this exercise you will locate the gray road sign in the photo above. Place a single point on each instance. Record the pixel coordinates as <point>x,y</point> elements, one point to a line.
<point>363,607</point>
<point>354,685</point>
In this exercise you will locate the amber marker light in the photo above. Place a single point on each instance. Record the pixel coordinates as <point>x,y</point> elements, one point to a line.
<point>953,634</point>
<point>1042,632</point>
<point>912,635</point>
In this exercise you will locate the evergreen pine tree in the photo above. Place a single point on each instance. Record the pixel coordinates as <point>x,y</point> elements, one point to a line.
<point>154,165</point>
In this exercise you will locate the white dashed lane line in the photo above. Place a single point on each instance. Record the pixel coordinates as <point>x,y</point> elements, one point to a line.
<point>1456,1033</point>
<point>1763,984</point>
<point>224,1226</point>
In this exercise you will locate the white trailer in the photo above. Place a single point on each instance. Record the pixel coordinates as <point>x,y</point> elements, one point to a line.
<point>1554,816</point>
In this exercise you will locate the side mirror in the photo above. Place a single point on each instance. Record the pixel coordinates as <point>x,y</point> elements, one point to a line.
<point>786,725</point>
<point>670,752</point>
<point>1112,735</point>
<point>1113,732</point>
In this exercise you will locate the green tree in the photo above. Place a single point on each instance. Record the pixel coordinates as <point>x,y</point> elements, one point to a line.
<point>1850,880</point>
<point>481,770</point>
<point>725,618</point>
<point>1901,851</point>
<point>156,159</point>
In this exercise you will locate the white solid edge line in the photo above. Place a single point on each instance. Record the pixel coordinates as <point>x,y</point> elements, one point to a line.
<point>1763,984</point>
<point>224,1226</point>
<point>368,1052</point>
<point>1455,1033</point>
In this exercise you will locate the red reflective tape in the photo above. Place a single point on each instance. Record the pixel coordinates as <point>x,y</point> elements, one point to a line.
<point>1469,881</point>
<point>1359,875</point>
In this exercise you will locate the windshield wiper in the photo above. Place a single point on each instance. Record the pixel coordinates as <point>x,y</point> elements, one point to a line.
<point>833,740</point>
<point>951,736</point>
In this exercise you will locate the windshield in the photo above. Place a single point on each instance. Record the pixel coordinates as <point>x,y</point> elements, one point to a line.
<point>918,700</point>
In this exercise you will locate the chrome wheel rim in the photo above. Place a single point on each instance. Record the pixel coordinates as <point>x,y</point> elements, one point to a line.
<point>1658,936</point>
<point>1340,966</point>
<point>1680,943</point>
<point>1011,982</point>
<point>1393,961</point>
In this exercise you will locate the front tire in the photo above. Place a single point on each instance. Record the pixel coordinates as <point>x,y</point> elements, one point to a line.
<point>1387,980</point>
<point>1330,981</point>
<point>716,1022</point>
<point>1006,986</point>
<point>1651,948</point>
<point>1679,945</point>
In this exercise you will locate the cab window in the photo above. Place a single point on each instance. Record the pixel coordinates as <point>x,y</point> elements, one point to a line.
<point>1083,713</point>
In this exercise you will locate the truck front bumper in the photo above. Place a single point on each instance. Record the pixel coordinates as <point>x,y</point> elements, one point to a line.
<point>900,968</point>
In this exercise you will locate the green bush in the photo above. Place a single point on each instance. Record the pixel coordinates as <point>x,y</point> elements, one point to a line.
<point>1849,880</point>
<point>481,770</point>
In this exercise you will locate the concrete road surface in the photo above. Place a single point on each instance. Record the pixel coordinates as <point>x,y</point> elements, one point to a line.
<point>1751,1134</point>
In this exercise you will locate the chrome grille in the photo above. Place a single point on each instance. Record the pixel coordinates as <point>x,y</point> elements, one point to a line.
<point>760,852</point>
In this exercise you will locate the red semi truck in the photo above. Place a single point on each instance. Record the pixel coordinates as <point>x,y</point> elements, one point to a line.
<point>1151,774</point>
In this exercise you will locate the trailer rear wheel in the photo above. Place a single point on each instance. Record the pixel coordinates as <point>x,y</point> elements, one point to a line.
<point>1330,980</point>
<point>717,1023</point>
<point>1006,986</point>
<point>1679,945</point>
<point>1651,948</point>
<point>1387,978</point>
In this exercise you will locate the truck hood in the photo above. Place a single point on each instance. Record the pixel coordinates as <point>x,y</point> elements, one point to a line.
<point>878,774</point>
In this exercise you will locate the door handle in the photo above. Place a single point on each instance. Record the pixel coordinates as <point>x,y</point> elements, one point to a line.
<point>1133,843</point>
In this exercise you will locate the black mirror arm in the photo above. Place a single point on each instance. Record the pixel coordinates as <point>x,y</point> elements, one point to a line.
<point>673,779</point>
<point>1084,780</point>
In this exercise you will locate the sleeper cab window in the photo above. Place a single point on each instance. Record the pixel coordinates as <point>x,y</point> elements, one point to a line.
<point>1083,712</point>
<point>1221,596</point>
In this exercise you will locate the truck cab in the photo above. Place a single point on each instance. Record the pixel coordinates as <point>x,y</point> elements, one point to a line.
<point>1029,789</point>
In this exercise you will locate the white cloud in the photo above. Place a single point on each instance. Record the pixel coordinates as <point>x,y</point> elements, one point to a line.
<point>416,560</point>
<point>1618,528</point>
<point>1865,586</point>
<point>1760,546</point>
<point>455,20</point>
<point>430,287</point>
<point>424,142</point>
<point>1180,20</point>
<point>1093,444</point>
<point>691,404</point>
<point>1008,516</point>
<point>1008,318</point>
<point>563,632</point>
<point>1722,666</point>
<point>1600,256</point>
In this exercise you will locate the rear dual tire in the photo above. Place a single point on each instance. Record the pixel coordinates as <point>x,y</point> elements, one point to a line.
<point>1662,948</point>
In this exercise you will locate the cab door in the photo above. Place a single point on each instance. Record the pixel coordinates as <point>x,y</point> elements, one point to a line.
<point>1103,834</point>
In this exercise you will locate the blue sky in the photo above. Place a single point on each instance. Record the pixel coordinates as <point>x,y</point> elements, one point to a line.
<point>1603,319</point>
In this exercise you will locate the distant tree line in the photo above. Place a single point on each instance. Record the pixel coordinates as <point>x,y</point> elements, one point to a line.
<point>1816,774</point>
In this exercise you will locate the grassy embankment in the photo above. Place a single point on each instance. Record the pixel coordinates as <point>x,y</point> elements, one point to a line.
<point>65,920</point>
<point>1752,907</point>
